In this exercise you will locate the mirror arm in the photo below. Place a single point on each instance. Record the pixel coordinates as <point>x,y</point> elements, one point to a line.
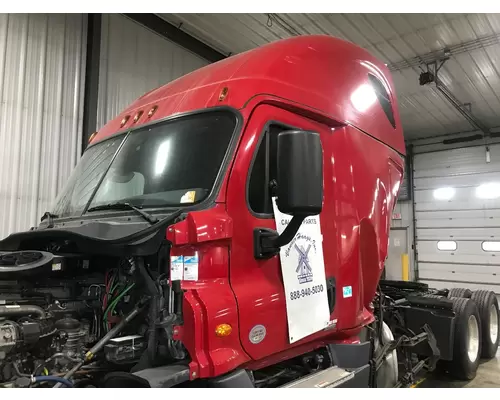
<point>267,242</point>
<point>290,231</point>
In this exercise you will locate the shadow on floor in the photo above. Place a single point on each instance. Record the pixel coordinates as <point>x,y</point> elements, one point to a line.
<point>488,376</point>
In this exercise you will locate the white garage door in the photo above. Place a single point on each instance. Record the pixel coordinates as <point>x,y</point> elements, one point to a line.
<point>457,204</point>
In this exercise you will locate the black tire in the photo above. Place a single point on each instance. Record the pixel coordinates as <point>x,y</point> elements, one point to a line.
<point>462,367</point>
<point>460,293</point>
<point>433,296</point>
<point>486,301</point>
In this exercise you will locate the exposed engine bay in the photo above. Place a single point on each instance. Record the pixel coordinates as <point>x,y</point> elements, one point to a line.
<point>77,311</point>
<point>73,321</point>
<point>94,315</point>
<point>80,311</point>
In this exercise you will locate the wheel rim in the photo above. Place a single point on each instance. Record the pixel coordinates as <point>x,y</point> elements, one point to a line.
<point>493,324</point>
<point>473,342</point>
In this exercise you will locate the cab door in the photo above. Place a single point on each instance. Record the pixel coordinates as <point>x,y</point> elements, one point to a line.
<point>258,284</point>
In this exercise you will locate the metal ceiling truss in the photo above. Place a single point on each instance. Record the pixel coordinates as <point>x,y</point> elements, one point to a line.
<point>460,48</point>
<point>278,20</point>
<point>434,61</point>
<point>432,75</point>
<point>174,33</point>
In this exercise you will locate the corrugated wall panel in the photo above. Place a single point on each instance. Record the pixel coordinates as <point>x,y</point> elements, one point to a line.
<point>464,219</point>
<point>135,60</point>
<point>41,107</point>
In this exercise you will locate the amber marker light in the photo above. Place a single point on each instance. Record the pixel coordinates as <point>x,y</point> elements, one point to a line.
<point>138,116</point>
<point>124,121</point>
<point>92,137</point>
<point>223,93</point>
<point>223,330</point>
<point>152,111</point>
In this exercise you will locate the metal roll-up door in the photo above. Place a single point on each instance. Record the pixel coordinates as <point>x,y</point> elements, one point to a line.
<point>457,212</point>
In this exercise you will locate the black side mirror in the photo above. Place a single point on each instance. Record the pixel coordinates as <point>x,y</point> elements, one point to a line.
<point>300,188</point>
<point>300,173</point>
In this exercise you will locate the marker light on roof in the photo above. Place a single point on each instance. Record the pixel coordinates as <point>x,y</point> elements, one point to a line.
<point>223,93</point>
<point>124,121</point>
<point>138,116</point>
<point>152,111</point>
<point>92,137</point>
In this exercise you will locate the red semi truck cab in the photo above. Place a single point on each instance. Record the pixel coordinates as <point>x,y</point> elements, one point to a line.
<point>299,138</point>
<point>312,83</point>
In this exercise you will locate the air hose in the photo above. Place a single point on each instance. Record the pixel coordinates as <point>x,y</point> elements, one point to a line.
<point>153,310</point>
<point>56,379</point>
<point>106,338</point>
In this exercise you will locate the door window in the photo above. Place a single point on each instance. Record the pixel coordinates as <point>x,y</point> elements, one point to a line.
<point>264,170</point>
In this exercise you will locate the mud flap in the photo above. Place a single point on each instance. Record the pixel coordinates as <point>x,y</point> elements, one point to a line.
<point>350,356</point>
<point>235,379</point>
<point>165,376</point>
<point>436,315</point>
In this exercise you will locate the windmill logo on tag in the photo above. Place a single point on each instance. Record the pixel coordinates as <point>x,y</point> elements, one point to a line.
<point>304,269</point>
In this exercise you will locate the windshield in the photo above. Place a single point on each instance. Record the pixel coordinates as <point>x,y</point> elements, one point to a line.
<point>172,163</point>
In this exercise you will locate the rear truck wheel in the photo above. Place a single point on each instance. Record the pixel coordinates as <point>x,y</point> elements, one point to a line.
<point>432,296</point>
<point>487,305</point>
<point>460,293</point>
<point>467,343</point>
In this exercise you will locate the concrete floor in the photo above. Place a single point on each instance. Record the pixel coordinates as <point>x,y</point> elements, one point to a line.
<point>488,376</point>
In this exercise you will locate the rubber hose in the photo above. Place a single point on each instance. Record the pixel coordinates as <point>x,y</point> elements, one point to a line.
<point>53,357</point>
<point>152,337</point>
<point>150,283</point>
<point>55,379</point>
<point>153,309</point>
<point>106,338</point>
<point>10,310</point>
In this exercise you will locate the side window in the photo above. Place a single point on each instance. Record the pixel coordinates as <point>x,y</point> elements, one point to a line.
<point>383,98</point>
<point>264,171</point>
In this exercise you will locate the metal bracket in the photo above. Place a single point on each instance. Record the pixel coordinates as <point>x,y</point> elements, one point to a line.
<point>436,354</point>
<point>406,343</point>
<point>409,377</point>
<point>431,75</point>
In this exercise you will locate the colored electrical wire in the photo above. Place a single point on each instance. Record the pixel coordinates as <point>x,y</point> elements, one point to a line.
<point>114,287</point>
<point>113,304</point>
<point>106,292</point>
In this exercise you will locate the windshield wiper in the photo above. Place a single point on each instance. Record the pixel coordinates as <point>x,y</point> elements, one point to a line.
<point>125,206</point>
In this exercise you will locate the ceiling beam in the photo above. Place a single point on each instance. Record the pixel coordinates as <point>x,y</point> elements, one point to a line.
<point>467,114</point>
<point>432,75</point>
<point>168,31</point>
<point>460,48</point>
